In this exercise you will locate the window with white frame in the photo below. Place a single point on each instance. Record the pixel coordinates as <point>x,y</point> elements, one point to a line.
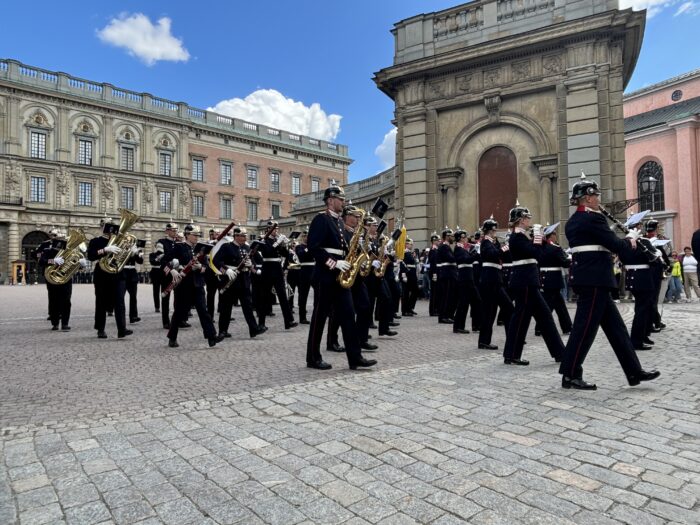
<point>226,207</point>
<point>226,173</point>
<point>166,163</point>
<point>315,185</point>
<point>252,179</point>
<point>165,201</point>
<point>275,181</point>
<point>296,185</point>
<point>198,206</point>
<point>127,197</point>
<point>84,193</point>
<point>275,210</point>
<point>252,211</point>
<point>38,145</point>
<point>198,169</point>
<point>127,158</point>
<point>37,189</point>
<point>85,152</point>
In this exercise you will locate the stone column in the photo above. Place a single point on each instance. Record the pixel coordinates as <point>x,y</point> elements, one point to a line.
<point>14,245</point>
<point>147,149</point>
<point>107,142</point>
<point>448,181</point>
<point>413,173</point>
<point>183,157</point>
<point>547,166</point>
<point>14,126</point>
<point>63,135</point>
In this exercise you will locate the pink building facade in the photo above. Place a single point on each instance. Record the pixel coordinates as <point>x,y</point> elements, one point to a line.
<point>662,153</point>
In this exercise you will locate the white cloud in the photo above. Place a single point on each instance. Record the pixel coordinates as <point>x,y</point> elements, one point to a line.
<point>690,8</point>
<point>386,151</point>
<point>144,40</point>
<point>272,108</point>
<point>653,7</point>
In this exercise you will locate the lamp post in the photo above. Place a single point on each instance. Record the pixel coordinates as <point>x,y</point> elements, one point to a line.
<point>648,185</point>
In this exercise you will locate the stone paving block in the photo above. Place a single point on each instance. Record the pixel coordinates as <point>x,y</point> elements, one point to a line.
<point>549,503</point>
<point>88,514</point>
<point>275,511</point>
<point>670,482</point>
<point>36,498</point>
<point>372,509</point>
<point>110,481</point>
<point>178,511</point>
<point>573,479</point>
<point>595,518</point>
<point>35,482</point>
<point>462,507</point>
<point>672,512</point>
<point>229,513</point>
<point>605,476</point>
<point>490,499</point>
<point>162,493</point>
<point>41,515</point>
<point>632,516</point>
<point>342,492</point>
<point>325,510</point>
<point>133,513</point>
<point>657,492</point>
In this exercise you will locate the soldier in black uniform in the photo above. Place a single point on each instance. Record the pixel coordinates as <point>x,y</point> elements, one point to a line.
<point>467,294</point>
<point>109,287</point>
<point>59,294</point>
<point>432,273</point>
<point>131,281</point>
<point>211,280</point>
<point>525,289</point>
<point>156,273</point>
<point>657,271</point>
<point>228,260</point>
<point>329,247</point>
<point>409,278</point>
<point>553,260</point>
<point>44,245</point>
<point>477,309</point>
<point>190,287</point>
<point>491,288</point>
<point>591,277</point>
<point>447,277</point>
<point>306,259</point>
<point>274,251</point>
<point>168,243</point>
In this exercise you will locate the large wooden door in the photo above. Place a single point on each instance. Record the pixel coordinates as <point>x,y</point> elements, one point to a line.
<point>498,184</point>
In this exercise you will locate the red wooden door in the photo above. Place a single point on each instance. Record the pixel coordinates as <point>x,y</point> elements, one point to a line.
<point>498,184</point>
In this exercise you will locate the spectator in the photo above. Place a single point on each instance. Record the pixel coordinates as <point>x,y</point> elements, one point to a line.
<point>690,273</point>
<point>673,294</point>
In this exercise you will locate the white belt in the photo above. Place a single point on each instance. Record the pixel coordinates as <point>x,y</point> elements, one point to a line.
<point>410,266</point>
<point>492,265</point>
<point>129,267</point>
<point>475,262</point>
<point>507,265</point>
<point>464,265</point>
<point>272,259</point>
<point>335,251</point>
<point>440,265</point>
<point>523,262</point>
<point>551,269</point>
<point>589,248</point>
<point>308,264</point>
<point>636,267</point>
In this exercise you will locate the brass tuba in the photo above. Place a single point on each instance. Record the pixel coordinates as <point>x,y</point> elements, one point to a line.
<point>114,262</point>
<point>356,256</point>
<point>71,254</point>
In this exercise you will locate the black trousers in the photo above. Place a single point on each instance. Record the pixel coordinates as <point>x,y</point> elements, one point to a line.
<point>212,284</point>
<point>493,296</point>
<point>165,301</point>
<point>131,286</point>
<point>240,291</point>
<point>59,302</point>
<point>395,291</point>
<point>433,302</point>
<point>332,297</point>
<point>643,312</point>
<point>409,296</point>
<point>276,282</point>
<point>448,297</point>
<point>467,295</point>
<point>384,311</point>
<point>595,308</point>
<point>304,287</point>
<point>293,283</point>
<point>156,277</point>
<point>109,296</point>
<point>187,296</point>
<point>556,302</point>
<point>530,303</point>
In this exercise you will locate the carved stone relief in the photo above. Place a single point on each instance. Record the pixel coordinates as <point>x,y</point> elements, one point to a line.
<point>464,83</point>
<point>492,77</point>
<point>63,180</point>
<point>521,71</point>
<point>552,64</point>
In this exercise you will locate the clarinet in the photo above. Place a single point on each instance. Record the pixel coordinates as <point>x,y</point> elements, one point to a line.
<point>624,229</point>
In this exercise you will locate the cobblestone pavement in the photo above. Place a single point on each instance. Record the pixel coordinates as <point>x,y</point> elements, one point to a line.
<point>128,431</point>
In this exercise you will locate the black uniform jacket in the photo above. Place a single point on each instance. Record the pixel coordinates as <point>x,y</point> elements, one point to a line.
<point>432,261</point>
<point>408,266</point>
<point>553,256</point>
<point>326,233</point>
<point>305,257</point>
<point>639,279</point>
<point>273,257</point>
<point>94,246</point>
<point>464,259</point>
<point>446,262</point>
<point>183,252</point>
<point>168,246</point>
<point>523,249</point>
<point>490,253</point>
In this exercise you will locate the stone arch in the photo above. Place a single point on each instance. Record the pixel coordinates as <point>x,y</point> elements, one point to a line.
<point>77,120</point>
<point>164,139</point>
<point>121,130</point>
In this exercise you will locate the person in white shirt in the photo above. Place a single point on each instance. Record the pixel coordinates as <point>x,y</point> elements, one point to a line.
<point>690,273</point>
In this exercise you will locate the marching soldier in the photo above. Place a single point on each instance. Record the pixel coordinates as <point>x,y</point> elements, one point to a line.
<point>306,259</point>
<point>59,294</point>
<point>156,273</point>
<point>592,278</point>
<point>432,274</point>
<point>168,244</point>
<point>657,267</point>
<point>553,260</point>
<point>447,277</point>
<point>45,245</point>
<point>409,278</point>
<point>329,247</point>
<point>131,280</point>
<point>211,280</point>
<point>525,289</point>
<point>467,293</point>
<point>109,288</point>
<point>273,252</point>
<point>190,286</point>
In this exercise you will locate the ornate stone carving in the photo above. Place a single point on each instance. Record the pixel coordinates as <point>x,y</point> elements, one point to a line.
<point>13,174</point>
<point>551,64</point>
<point>39,119</point>
<point>464,82</point>
<point>437,89</point>
<point>107,190</point>
<point>521,71</point>
<point>493,106</point>
<point>492,77</point>
<point>185,195</point>
<point>62,186</point>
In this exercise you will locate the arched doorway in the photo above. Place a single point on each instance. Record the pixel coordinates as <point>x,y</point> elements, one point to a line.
<point>30,243</point>
<point>498,183</point>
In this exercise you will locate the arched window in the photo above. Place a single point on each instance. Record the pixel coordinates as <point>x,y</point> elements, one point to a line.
<point>498,183</point>
<point>650,186</point>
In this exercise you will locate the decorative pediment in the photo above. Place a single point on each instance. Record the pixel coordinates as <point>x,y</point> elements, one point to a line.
<point>39,119</point>
<point>85,127</point>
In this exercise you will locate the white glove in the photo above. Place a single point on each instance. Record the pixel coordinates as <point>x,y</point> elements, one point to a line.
<point>434,277</point>
<point>343,265</point>
<point>258,272</point>
<point>134,250</point>
<point>405,278</point>
<point>159,257</point>
<point>634,234</point>
<point>505,248</point>
<point>58,261</point>
<point>197,266</point>
<point>248,263</point>
<point>280,240</point>
<point>176,276</point>
<point>111,249</point>
<point>537,230</point>
<point>83,263</point>
<point>175,264</point>
<point>396,278</point>
<point>231,273</point>
<point>376,263</point>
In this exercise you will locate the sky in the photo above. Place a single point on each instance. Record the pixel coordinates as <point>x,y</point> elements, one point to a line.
<point>305,66</point>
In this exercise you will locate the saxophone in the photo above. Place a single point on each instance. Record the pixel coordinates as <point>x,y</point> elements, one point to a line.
<point>114,262</point>
<point>366,267</point>
<point>379,272</point>
<point>356,257</point>
<point>72,253</point>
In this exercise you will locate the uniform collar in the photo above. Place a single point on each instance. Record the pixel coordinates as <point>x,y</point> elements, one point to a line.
<point>518,229</point>
<point>488,237</point>
<point>333,214</point>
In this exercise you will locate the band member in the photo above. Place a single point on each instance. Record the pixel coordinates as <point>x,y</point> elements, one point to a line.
<point>392,281</point>
<point>329,247</point>
<point>433,275</point>
<point>553,260</point>
<point>211,280</point>
<point>306,259</point>
<point>476,309</point>
<point>59,294</point>
<point>233,261</point>
<point>592,278</point>
<point>109,287</point>
<point>45,245</point>
<point>385,308</point>
<point>292,269</point>
<point>466,291</point>
<point>491,288</point>
<point>274,251</point>
<point>525,289</point>
<point>131,281</point>
<point>156,273</point>
<point>190,287</point>
<point>409,279</point>
<point>167,243</point>
<point>447,277</point>
<point>657,271</point>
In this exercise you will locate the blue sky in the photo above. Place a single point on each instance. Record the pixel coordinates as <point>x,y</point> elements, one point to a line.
<point>304,64</point>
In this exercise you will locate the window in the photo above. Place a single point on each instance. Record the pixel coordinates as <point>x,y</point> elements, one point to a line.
<point>166,162</point>
<point>38,145</point>
<point>37,190</point>
<point>252,178</point>
<point>127,197</point>
<point>85,152</point>
<point>274,181</point>
<point>296,185</point>
<point>650,185</point>
<point>127,160</point>
<point>275,211</point>
<point>226,208</point>
<point>165,202</point>
<point>252,211</point>
<point>85,194</point>
<point>225,173</point>
<point>197,169</point>
<point>198,206</point>
<point>315,185</point>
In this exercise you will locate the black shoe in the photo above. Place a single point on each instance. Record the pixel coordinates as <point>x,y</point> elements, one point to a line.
<point>157,310</point>
<point>394,323</point>
<point>166,326</point>
<point>567,333</point>
<point>172,343</point>
<point>369,347</point>
<point>643,376</point>
<point>413,312</point>
<point>648,341</point>
<point>224,334</point>
<point>363,363</point>
<point>101,334</point>
<point>122,335</point>
<point>335,347</point>
<point>373,326</point>
<point>661,326</point>
<point>135,320</point>
<point>642,347</point>
<point>291,325</point>
<point>215,339</point>
<point>459,331</point>
<point>271,314</point>
<point>577,384</point>
<point>319,365</point>
<point>65,328</point>
<point>110,314</point>
<point>185,324</point>
<point>303,321</point>
<point>397,316</point>
<point>499,323</point>
<point>258,330</point>
<point>538,334</point>
<point>487,346</point>
<point>444,320</point>
<point>54,327</point>
<point>389,333</point>
<point>407,314</point>
<point>655,330</point>
<point>475,330</point>
<point>521,362</point>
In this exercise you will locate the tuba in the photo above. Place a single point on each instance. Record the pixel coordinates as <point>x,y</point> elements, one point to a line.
<point>383,257</point>
<point>72,253</point>
<point>114,262</point>
<point>356,256</point>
